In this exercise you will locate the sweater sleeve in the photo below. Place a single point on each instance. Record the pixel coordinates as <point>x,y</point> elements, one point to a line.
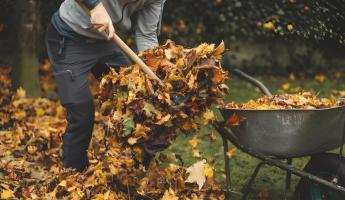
<point>146,26</point>
<point>90,4</point>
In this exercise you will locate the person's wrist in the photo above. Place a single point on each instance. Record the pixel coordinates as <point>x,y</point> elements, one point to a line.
<point>91,4</point>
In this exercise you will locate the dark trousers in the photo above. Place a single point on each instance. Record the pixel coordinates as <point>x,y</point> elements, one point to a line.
<point>73,59</point>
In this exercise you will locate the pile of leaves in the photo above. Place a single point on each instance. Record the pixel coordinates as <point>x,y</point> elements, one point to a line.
<point>145,114</point>
<point>122,149</point>
<point>303,100</point>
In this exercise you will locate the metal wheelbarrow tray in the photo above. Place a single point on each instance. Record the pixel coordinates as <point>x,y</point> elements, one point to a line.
<point>275,135</point>
<point>288,133</point>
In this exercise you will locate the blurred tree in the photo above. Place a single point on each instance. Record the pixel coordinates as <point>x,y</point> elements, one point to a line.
<point>25,71</point>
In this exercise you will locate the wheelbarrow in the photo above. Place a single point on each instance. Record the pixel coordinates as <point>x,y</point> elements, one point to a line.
<point>277,135</point>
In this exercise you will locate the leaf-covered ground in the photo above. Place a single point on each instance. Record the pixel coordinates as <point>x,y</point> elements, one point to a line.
<point>136,120</point>
<point>186,150</point>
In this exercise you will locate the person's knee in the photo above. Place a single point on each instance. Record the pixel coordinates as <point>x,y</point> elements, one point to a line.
<point>83,111</point>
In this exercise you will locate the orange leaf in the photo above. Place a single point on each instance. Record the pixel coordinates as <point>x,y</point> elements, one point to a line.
<point>234,120</point>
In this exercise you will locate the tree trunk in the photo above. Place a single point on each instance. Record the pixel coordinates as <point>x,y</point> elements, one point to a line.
<point>25,71</point>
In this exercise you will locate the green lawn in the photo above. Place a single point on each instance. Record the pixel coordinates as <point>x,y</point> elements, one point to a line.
<point>270,182</point>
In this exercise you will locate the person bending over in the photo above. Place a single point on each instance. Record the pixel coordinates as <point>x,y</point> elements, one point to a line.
<point>80,42</point>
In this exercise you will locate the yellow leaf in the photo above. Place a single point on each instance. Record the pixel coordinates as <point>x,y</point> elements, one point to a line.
<point>204,49</point>
<point>21,93</point>
<point>193,142</point>
<point>320,77</point>
<point>173,167</point>
<point>132,140</point>
<point>6,153</point>
<point>63,183</point>
<point>286,86</point>
<point>218,52</point>
<point>113,170</point>
<point>231,152</point>
<point>32,149</point>
<point>19,115</point>
<point>164,119</point>
<point>191,82</point>
<point>208,115</point>
<point>7,194</point>
<point>98,197</point>
<point>94,161</point>
<point>39,111</point>
<point>169,195</point>
<point>60,110</point>
<point>269,26</point>
<point>208,171</point>
<point>290,27</point>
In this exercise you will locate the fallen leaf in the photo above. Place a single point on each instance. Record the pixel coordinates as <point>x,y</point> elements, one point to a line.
<point>169,195</point>
<point>286,86</point>
<point>197,174</point>
<point>7,194</point>
<point>290,27</point>
<point>21,93</point>
<point>231,152</point>
<point>193,142</point>
<point>196,153</point>
<point>269,26</point>
<point>132,140</point>
<point>320,77</point>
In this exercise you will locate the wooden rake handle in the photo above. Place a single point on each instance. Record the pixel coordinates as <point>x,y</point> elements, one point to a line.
<point>128,51</point>
<point>135,58</point>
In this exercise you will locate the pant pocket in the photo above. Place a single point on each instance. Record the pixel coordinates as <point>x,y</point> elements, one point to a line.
<point>64,81</point>
<point>55,49</point>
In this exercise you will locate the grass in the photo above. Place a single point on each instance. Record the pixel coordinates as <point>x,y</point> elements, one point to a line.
<point>270,182</point>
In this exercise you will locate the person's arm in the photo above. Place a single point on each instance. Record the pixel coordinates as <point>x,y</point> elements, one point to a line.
<point>146,26</point>
<point>99,17</point>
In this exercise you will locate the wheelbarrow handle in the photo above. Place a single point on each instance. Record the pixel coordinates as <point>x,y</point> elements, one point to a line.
<point>252,80</point>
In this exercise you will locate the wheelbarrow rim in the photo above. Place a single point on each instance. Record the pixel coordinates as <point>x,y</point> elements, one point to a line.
<point>282,110</point>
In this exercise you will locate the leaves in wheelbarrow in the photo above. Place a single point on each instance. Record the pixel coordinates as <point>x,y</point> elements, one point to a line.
<point>304,100</point>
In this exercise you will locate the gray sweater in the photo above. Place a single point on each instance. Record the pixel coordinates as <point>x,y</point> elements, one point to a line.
<point>142,16</point>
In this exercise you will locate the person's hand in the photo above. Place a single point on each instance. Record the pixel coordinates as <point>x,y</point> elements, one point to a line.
<point>101,20</point>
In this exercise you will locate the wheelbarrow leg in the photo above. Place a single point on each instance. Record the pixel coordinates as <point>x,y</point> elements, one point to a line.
<point>227,168</point>
<point>288,177</point>
<point>247,189</point>
<point>341,152</point>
